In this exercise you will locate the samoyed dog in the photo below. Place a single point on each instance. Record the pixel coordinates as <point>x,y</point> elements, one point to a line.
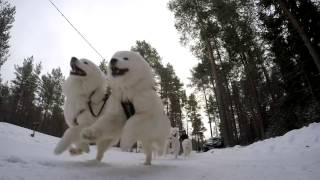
<point>86,97</point>
<point>174,142</point>
<point>186,147</point>
<point>131,82</point>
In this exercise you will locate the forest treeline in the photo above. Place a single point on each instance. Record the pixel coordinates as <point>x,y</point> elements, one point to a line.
<point>258,65</point>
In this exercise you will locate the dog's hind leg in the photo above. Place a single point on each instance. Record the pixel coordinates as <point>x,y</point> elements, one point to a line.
<point>132,131</point>
<point>102,146</point>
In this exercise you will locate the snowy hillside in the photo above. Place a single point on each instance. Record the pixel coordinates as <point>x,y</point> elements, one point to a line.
<point>293,156</point>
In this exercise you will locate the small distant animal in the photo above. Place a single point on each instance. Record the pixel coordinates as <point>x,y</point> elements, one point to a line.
<point>186,147</point>
<point>174,142</point>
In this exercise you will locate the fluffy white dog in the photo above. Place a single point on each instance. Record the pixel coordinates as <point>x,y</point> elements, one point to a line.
<point>139,147</point>
<point>132,84</point>
<point>174,142</point>
<point>186,147</point>
<point>86,98</point>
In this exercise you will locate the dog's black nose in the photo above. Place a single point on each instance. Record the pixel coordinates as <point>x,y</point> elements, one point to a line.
<point>73,60</point>
<point>113,61</point>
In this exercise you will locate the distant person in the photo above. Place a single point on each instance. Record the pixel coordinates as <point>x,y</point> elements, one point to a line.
<point>183,136</point>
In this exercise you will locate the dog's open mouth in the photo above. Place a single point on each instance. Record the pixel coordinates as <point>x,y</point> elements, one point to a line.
<point>118,71</point>
<point>75,70</point>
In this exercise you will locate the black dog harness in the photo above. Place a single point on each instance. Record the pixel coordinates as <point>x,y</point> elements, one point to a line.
<point>128,108</point>
<point>105,98</point>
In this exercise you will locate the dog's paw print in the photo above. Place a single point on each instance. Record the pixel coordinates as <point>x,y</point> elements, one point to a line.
<point>89,134</point>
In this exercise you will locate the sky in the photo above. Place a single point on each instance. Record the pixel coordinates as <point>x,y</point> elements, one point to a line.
<point>40,31</point>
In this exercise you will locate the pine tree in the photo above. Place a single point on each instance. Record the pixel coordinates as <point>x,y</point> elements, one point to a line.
<point>195,119</point>
<point>7,12</point>
<point>24,89</point>
<point>5,101</point>
<point>103,66</point>
<point>51,101</point>
<point>295,66</point>
<point>193,21</point>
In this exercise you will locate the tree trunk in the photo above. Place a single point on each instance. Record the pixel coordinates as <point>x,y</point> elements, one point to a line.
<point>224,122</point>
<point>302,33</point>
<point>207,107</point>
<point>242,118</point>
<point>225,125</point>
<point>229,103</point>
<point>259,125</point>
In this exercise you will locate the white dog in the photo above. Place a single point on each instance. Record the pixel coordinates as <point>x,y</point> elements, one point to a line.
<point>186,147</point>
<point>86,98</point>
<point>132,84</point>
<point>139,147</point>
<point>174,142</point>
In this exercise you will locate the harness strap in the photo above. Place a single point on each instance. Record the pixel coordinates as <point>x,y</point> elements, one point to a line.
<point>128,108</point>
<point>106,97</point>
<point>75,120</point>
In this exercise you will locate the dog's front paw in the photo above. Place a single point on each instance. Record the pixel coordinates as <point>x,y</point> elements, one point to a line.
<point>58,150</point>
<point>89,134</point>
<point>75,151</point>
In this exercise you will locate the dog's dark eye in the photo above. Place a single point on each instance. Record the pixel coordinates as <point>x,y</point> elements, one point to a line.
<point>85,62</point>
<point>125,58</point>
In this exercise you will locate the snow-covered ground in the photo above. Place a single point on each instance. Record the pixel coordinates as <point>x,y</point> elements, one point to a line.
<point>293,156</point>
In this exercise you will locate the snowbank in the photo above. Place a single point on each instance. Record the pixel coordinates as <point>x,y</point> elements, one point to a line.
<point>296,155</point>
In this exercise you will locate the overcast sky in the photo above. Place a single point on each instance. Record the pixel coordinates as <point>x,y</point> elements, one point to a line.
<point>110,25</point>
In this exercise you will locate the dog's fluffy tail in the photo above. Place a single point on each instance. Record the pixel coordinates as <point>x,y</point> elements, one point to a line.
<point>69,136</point>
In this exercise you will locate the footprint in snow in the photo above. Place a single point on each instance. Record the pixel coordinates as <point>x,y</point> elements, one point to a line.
<point>46,163</point>
<point>14,159</point>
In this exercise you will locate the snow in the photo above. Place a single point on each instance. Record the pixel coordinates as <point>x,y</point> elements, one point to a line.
<point>294,156</point>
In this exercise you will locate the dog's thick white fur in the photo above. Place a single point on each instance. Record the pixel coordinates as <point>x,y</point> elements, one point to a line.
<point>108,128</point>
<point>130,79</point>
<point>186,147</point>
<point>174,142</point>
<point>85,83</point>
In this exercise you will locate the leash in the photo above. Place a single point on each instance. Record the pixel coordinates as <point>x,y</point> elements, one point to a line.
<point>74,28</point>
